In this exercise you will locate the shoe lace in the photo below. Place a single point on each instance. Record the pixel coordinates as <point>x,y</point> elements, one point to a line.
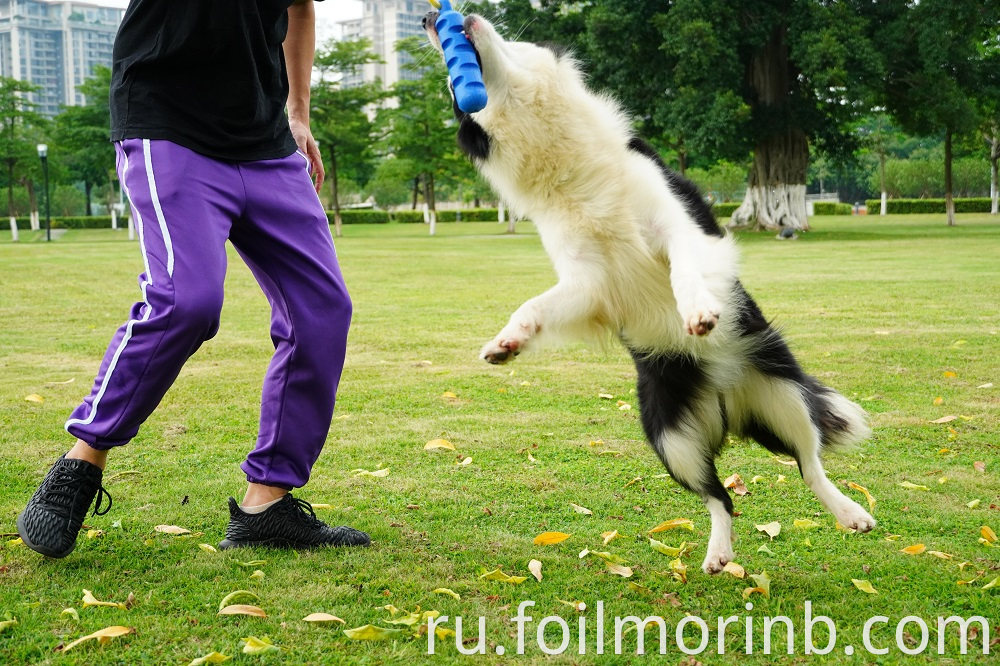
<point>305,513</point>
<point>63,489</point>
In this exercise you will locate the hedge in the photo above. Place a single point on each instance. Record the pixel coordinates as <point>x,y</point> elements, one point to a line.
<point>923,206</point>
<point>725,209</point>
<point>360,216</point>
<point>85,222</point>
<point>832,208</point>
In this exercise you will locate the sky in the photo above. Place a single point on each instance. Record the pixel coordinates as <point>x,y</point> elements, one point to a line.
<point>327,15</point>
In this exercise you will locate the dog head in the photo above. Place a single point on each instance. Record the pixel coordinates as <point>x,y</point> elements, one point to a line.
<point>514,73</point>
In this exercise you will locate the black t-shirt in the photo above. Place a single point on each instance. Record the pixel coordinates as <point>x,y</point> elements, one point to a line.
<point>206,74</point>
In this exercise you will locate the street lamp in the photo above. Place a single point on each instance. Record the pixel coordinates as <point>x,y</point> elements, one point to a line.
<point>43,153</point>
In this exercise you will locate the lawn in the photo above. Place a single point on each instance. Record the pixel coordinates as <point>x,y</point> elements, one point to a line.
<point>902,314</point>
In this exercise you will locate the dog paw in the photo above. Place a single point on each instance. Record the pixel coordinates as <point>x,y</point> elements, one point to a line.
<point>500,350</point>
<point>716,560</point>
<point>702,317</point>
<point>853,517</point>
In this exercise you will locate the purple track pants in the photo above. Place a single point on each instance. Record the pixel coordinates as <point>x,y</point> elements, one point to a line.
<point>185,206</point>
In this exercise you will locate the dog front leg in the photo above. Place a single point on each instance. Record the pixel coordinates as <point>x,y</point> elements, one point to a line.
<point>699,310</point>
<point>561,307</point>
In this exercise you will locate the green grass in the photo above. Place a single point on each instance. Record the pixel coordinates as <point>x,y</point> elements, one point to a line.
<point>879,309</point>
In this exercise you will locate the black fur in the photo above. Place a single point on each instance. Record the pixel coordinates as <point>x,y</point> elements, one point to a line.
<point>668,385</point>
<point>683,189</point>
<point>472,138</point>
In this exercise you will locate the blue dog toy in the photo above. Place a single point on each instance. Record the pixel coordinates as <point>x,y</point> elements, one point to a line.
<point>463,68</point>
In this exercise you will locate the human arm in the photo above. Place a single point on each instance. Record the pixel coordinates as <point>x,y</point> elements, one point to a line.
<point>300,48</point>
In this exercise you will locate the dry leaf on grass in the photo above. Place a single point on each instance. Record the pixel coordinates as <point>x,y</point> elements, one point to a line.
<point>34,397</point>
<point>863,490</point>
<point>242,609</point>
<point>171,529</point>
<point>370,632</point>
<point>581,509</point>
<point>915,549</point>
<point>550,538</point>
<point>995,583</point>
<point>90,600</point>
<point>436,444</point>
<point>673,524</point>
<point>736,483</point>
<point>535,567</point>
<point>805,523</point>
<point>619,570</point>
<point>379,473</point>
<point>72,613</point>
<point>940,555</point>
<point>763,585</point>
<point>609,536</point>
<point>735,570</point>
<point>8,624</point>
<point>684,549</point>
<point>864,586</point>
<point>103,636</point>
<point>771,529</point>
<point>449,592</point>
<point>500,576</point>
<point>913,486</point>
<point>237,596</point>
<point>254,645</point>
<point>208,548</point>
<point>210,658</point>
<point>979,466</point>
<point>987,533</point>
<point>323,618</point>
<point>945,419</point>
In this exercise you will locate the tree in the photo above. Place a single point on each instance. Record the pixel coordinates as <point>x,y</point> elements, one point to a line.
<point>82,135</point>
<point>878,134</point>
<point>340,121</point>
<point>937,68</point>
<point>419,129</point>
<point>17,116</point>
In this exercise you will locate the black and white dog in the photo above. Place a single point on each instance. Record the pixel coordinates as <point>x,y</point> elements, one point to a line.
<point>639,256</point>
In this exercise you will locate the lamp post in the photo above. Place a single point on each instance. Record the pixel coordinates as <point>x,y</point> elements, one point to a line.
<point>43,153</point>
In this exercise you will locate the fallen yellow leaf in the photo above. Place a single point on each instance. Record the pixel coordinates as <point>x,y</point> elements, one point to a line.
<point>370,632</point>
<point>90,600</point>
<point>940,555</point>
<point>254,645</point>
<point>449,592</point>
<point>535,567</point>
<point>208,548</point>
<point>805,523</point>
<point>641,589</point>
<point>323,618</point>
<point>103,636</point>
<point>973,504</point>
<point>8,624</point>
<point>736,483</point>
<point>988,533</point>
<point>238,595</point>
<point>949,374</point>
<point>72,613</point>
<point>619,570</point>
<point>915,549</point>
<point>735,570</point>
<point>864,491</point>
<point>609,536</point>
<point>993,583</point>
<point>771,529</point>
<point>448,395</point>
<point>500,576</point>
<point>581,509</point>
<point>673,524</point>
<point>550,538</point>
<point>913,486</point>
<point>321,506</point>
<point>435,444</point>
<point>379,473</point>
<point>939,400</point>
<point>34,397</point>
<point>864,586</point>
<point>210,658</point>
<point>171,529</point>
<point>242,609</point>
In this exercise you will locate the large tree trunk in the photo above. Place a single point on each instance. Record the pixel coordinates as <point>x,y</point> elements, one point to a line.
<point>88,186</point>
<point>776,190</point>
<point>949,199</point>
<point>34,217</point>
<point>335,192</point>
<point>416,192</point>
<point>10,200</point>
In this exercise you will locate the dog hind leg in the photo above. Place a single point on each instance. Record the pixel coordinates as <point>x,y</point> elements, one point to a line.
<point>686,426</point>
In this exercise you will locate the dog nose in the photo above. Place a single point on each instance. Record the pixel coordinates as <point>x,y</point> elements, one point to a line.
<point>429,17</point>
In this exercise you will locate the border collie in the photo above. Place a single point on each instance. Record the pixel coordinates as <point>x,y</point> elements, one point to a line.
<point>639,256</point>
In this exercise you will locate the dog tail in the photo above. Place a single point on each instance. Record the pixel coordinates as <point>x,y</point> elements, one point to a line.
<point>843,424</point>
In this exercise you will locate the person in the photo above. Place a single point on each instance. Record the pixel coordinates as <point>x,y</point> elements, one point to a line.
<point>205,153</point>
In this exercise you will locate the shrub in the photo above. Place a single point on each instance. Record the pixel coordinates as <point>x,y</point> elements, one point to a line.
<point>84,222</point>
<point>360,216</point>
<point>469,215</point>
<point>723,210</point>
<point>926,206</point>
<point>832,208</point>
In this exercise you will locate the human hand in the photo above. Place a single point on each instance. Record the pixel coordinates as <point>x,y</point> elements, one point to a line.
<point>307,144</point>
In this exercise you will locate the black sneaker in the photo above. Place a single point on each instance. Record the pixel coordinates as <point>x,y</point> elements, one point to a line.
<point>55,513</point>
<point>289,523</point>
